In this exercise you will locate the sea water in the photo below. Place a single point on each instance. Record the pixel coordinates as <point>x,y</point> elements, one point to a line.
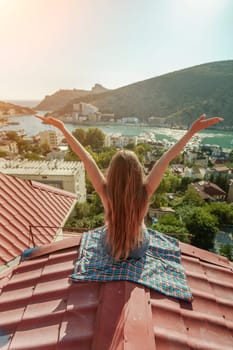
<point>33,126</point>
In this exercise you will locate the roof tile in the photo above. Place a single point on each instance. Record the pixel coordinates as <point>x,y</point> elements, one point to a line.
<point>42,309</point>
<point>31,213</point>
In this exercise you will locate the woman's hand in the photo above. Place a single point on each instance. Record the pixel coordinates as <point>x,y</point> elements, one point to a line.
<point>51,121</point>
<point>202,123</point>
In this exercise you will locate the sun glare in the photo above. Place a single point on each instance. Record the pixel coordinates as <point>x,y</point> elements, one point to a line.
<point>202,6</point>
<point>5,4</point>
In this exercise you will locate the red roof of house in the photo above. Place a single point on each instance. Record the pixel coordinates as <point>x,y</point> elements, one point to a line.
<point>208,189</point>
<point>40,308</point>
<point>26,204</point>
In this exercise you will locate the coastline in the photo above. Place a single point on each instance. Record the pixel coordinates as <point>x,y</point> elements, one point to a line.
<point>214,136</point>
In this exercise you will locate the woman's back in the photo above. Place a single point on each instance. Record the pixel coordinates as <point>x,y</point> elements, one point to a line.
<point>127,202</point>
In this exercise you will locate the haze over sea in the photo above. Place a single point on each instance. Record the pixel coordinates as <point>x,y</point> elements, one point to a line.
<point>33,126</point>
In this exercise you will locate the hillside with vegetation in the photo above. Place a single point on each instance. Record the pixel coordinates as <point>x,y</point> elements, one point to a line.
<point>178,96</point>
<point>10,109</point>
<point>62,97</point>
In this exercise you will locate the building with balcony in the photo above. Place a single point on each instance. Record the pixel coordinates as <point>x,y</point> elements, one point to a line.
<point>50,137</point>
<point>8,146</point>
<point>68,176</point>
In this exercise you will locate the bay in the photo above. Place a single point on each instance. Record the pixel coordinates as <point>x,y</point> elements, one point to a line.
<point>33,126</point>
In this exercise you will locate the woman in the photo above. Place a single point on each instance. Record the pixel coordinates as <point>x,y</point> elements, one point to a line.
<point>126,191</point>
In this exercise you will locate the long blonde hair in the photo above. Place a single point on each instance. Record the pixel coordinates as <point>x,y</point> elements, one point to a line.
<point>127,204</point>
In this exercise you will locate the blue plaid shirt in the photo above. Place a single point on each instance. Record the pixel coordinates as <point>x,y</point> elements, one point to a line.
<point>159,268</point>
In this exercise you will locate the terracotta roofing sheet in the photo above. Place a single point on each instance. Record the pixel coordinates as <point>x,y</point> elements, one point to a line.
<point>209,188</point>
<point>40,308</point>
<point>30,214</point>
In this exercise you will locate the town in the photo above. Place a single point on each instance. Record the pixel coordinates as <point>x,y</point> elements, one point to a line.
<point>202,175</point>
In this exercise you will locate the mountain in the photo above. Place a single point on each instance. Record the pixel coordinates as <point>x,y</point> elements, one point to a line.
<point>179,96</point>
<point>62,97</point>
<point>11,109</point>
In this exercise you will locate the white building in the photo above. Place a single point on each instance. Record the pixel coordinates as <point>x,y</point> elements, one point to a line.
<point>196,172</point>
<point>85,112</point>
<point>8,146</point>
<point>130,120</point>
<point>196,158</point>
<point>119,141</point>
<point>51,137</point>
<point>69,176</point>
<point>113,140</point>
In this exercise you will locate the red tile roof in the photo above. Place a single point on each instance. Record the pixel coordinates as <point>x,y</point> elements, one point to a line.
<point>208,189</point>
<point>26,204</point>
<point>42,309</point>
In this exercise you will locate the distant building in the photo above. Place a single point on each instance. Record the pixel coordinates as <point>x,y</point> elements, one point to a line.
<point>113,140</point>
<point>159,212</point>
<point>85,112</point>
<point>177,169</point>
<point>51,137</point>
<point>8,146</point>
<point>130,120</point>
<point>55,155</point>
<point>209,191</point>
<point>157,121</point>
<point>119,141</point>
<point>197,158</point>
<point>219,171</point>
<point>107,117</point>
<point>215,150</point>
<point>69,176</point>
<point>196,172</point>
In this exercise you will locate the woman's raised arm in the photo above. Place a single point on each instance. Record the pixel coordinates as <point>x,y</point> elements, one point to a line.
<point>96,176</point>
<point>153,179</point>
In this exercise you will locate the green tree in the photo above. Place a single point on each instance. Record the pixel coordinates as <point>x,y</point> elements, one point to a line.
<point>96,206</point>
<point>178,159</point>
<point>174,182</point>
<point>159,200</point>
<point>222,211</point>
<point>171,224</point>
<point>88,214</point>
<point>227,251</point>
<point>192,197</point>
<point>82,210</point>
<point>203,227</point>
<point>164,185</point>
<point>70,156</point>
<point>130,146</point>
<point>169,183</point>
<point>104,157</point>
<point>23,146</point>
<point>12,135</point>
<point>185,181</point>
<point>80,135</point>
<point>141,151</point>
<point>95,138</point>
<point>3,154</point>
<point>32,156</point>
<point>45,148</point>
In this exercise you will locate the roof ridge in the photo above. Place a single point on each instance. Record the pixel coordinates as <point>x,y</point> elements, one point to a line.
<point>49,188</point>
<point>52,247</point>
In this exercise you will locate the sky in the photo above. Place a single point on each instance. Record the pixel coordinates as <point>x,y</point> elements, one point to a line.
<point>47,45</point>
